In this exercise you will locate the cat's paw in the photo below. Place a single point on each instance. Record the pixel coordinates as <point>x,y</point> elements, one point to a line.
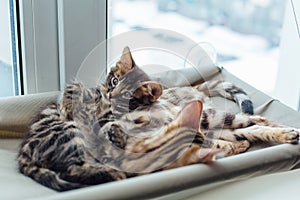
<point>231,147</point>
<point>116,136</point>
<point>205,155</point>
<point>236,147</point>
<point>289,135</point>
<point>113,133</point>
<point>242,146</point>
<point>71,99</point>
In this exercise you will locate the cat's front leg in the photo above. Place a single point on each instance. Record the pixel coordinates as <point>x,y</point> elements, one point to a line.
<point>113,133</point>
<point>284,135</point>
<point>259,120</point>
<point>228,148</point>
<point>71,99</point>
<point>261,133</point>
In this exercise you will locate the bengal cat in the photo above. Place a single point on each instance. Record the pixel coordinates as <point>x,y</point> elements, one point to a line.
<point>126,128</point>
<point>219,127</point>
<point>71,143</point>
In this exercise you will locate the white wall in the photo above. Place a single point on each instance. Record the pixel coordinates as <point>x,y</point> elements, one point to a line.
<point>288,79</point>
<point>5,39</point>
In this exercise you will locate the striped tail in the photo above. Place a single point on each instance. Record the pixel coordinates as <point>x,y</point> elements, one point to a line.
<point>228,91</point>
<point>47,177</point>
<point>75,174</point>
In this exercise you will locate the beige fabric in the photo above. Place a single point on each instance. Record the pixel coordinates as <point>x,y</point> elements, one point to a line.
<point>11,134</point>
<point>185,77</point>
<point>16,114</point>
<point>277,186</point>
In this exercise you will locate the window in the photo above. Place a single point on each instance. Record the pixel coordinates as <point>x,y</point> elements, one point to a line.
<point>56,38</point>
<point>242,35</point>
<point>9,64</point>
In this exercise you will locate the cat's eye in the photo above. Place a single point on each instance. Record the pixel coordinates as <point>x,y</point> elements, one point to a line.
<point>114,81</point>
<point>127,95</point>
<point>139,120</point>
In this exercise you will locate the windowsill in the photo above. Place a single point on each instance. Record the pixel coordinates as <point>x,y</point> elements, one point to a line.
<point>276,187</point>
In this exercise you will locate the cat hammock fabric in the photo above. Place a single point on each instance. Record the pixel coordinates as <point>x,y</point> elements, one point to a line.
<point>17,112</point>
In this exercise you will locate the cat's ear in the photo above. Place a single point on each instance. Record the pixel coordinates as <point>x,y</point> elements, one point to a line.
<point>126,60</point>
<point>190,115</point>
<point>149,91</point>
<point>154,90</point>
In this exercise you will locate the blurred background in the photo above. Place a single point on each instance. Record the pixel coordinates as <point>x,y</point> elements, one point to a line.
<point>244,34</point>
<point>43,43</point>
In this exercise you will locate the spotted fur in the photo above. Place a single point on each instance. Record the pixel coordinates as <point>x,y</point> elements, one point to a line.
<point>222,129</point>
<point>78,141</point>
<point>131,127</point>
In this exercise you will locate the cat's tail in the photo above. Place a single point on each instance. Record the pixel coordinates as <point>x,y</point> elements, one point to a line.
<point>229,91</point>
<point>72,176</point>
<point>45,176</point>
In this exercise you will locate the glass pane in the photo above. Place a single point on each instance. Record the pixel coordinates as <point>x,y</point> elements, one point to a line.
<point>299,104</point>
<point>9,84</point>
<point>244,34</point>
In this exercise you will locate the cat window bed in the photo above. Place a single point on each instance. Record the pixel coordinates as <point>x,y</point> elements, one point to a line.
<point>16,112</point>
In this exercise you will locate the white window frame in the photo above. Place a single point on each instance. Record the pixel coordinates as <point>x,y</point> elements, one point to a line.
<point>288,83</point>
<point>48,35</point>
<point>53,34</point>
